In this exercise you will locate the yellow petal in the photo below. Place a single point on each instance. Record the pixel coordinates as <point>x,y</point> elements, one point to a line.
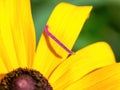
<point>65,23</point>
<point>106,78</point>
<point>3,68</point>
<point>83,62</point>
<point>17,33</point>
<point>7,50</point>
<point>23,31</point>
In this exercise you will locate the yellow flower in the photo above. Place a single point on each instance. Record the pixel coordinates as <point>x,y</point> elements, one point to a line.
<point>91,68</point>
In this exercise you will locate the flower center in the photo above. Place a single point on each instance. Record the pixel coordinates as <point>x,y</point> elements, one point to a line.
<point>24,79</point>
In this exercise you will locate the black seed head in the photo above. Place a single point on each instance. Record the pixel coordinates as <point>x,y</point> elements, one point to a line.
<point>24,79</point>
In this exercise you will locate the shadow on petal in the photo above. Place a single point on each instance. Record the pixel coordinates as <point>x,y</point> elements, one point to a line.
<point>52,49</point>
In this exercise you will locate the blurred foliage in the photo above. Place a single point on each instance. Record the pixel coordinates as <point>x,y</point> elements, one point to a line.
<point>103,24</point>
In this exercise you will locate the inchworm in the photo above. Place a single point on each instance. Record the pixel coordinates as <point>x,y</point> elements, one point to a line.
<point>56,40</point>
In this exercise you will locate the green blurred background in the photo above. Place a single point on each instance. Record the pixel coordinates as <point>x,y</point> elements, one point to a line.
<point>103,24</point>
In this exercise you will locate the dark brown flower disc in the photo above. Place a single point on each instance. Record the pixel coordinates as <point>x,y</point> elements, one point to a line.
<point>24,79</point>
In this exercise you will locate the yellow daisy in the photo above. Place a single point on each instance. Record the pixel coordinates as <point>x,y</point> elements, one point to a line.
<point>90,68</point>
